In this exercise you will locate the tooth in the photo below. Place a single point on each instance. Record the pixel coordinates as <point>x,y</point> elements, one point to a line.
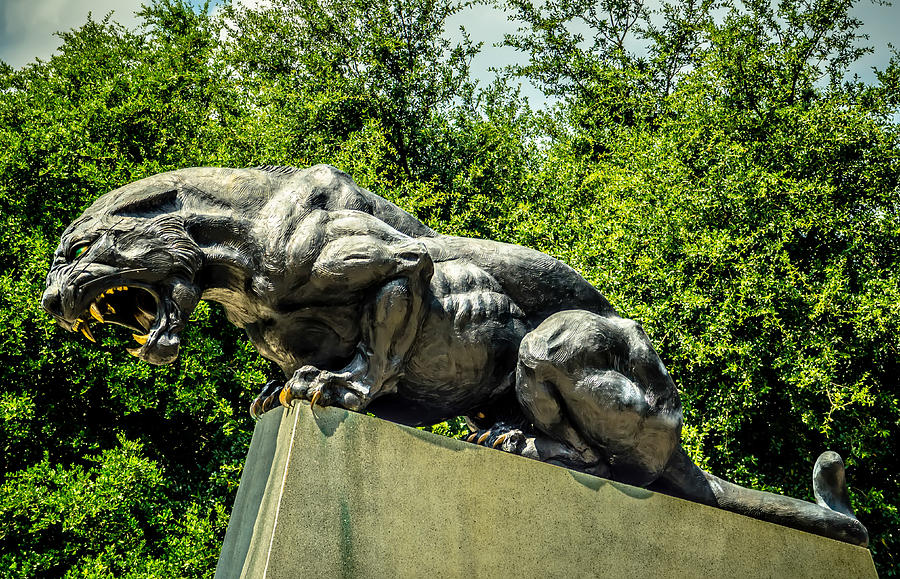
<point>141,312</point>
<point>75,325</point>
<point>140,339</point>
<point>110,309</point>
<point>142,321</point>
<point>95,311</point>
<point>86,330</point>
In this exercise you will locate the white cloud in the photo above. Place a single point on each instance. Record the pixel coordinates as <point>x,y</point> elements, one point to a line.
<point>27,27</point>
<point>488,25</point>
<point>880,22</point>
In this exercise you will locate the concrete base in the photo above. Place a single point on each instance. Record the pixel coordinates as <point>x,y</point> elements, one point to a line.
<point>339,494</point>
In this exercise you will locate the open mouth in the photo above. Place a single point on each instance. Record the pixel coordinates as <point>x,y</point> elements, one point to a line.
<point>134,307</point>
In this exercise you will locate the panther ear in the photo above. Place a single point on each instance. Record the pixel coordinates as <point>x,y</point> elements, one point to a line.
<point>148,205</point>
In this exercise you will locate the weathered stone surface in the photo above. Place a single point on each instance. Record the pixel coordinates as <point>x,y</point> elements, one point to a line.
<point>340,494</point>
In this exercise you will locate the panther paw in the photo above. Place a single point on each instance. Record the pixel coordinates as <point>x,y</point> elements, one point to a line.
<point>505,439</point>
<point>323,388</point>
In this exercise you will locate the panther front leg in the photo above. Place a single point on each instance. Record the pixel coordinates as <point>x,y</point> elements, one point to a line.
<point>389,326</point>
<point>350,257</point>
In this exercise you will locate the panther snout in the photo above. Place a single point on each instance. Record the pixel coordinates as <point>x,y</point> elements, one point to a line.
<point>52,302</point>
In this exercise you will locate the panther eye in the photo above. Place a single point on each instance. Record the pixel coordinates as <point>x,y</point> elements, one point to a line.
<point>77,251</point>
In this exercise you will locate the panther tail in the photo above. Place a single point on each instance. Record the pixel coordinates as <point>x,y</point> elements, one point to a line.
<point>831,516</point>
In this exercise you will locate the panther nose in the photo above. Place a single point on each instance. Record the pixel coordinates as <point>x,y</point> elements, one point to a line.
<point>51,301</point>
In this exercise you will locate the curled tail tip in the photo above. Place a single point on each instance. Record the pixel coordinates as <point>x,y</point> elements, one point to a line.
<point>830,490</point>
<point>830,456</point>
<point>830,483</point>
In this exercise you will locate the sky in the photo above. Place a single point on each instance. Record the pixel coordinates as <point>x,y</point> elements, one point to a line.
<point>27,30</point>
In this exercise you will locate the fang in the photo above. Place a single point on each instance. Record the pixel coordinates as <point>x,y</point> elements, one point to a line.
<point>143,321</point>
<point>140,339</point>
<point>95,311</point>
<point>86,330</point>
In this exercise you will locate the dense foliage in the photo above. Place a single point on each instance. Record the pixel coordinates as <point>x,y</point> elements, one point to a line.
<point>709,166</point>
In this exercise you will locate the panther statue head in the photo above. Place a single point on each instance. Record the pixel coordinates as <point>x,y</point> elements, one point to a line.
<point>143,255</point>
<point>128,260</point>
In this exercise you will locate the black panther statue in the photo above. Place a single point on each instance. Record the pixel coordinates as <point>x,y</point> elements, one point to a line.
<point>364,307</point>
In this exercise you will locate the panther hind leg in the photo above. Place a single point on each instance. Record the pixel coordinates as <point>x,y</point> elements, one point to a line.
<point>537,446</point>
<point>594,383</point>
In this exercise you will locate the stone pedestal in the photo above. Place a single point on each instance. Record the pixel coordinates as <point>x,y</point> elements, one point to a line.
<point>339,494</point>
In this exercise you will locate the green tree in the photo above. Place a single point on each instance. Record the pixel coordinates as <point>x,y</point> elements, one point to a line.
<point>114,468</point>
<point>111,468</point>
<point>718,178</point>
<point>744,208</point>
<point>334,68</point>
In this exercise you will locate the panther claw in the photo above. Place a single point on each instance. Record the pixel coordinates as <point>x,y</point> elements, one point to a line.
<point>480,436</point>
<point>261,405</point>
<point>500,437</point>
<point>286,397</point>
<point>255,409</point>
<point>317,394</point>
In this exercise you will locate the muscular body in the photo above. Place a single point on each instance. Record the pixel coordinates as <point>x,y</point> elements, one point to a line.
<point>424,329</point>
<point>365,308</point>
